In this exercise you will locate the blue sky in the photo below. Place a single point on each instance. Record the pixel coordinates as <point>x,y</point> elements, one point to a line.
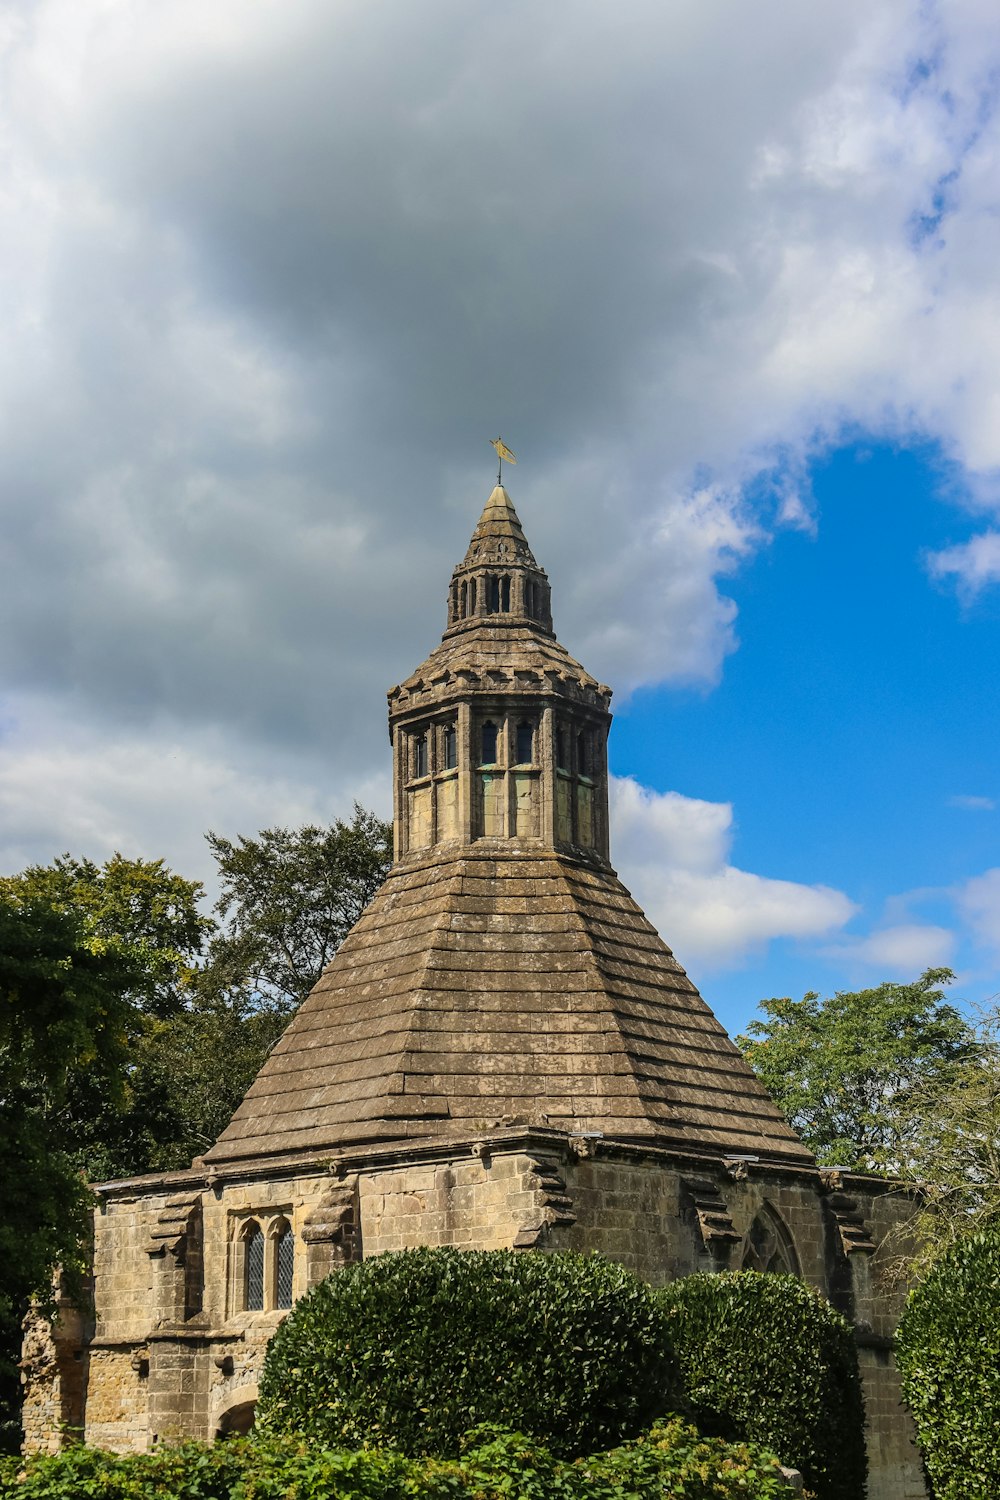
<point>855,729</point>
<point>725,279</point>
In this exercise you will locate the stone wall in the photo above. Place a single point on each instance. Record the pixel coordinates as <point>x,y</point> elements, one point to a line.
<point>167,1359</point>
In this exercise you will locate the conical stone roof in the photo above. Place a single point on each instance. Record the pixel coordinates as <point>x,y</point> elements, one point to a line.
<point>502,988</point>
<point>499,533</point>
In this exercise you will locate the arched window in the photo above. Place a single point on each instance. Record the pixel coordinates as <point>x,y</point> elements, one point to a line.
<point>284,1264</point>
<point>529,598</point>
<point>450,747</point>
<point>463,599</point>
<point>253,1273</point>
<point>489,745</point>
<point>420,755</point>
<point>505,593</point>
<point>769,1246</point>
<point>525,743</point>
<point>493,594</point>
<point>472,596</point>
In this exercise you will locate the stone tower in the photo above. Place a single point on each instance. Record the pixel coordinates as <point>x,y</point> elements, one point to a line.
<point>503,1053</point>
<point>503,975</point>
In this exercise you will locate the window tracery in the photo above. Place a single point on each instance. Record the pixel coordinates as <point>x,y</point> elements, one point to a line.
<point>769,1246</point>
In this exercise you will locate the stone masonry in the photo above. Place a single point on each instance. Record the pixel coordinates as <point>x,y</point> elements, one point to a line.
<point>503,1054</point>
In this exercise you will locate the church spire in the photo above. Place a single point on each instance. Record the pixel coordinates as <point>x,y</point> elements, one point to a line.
<point>499,575</point>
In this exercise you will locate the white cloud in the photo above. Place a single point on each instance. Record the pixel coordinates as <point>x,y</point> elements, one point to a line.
<point>64,787</point>
<point>901,951</point>
<point>672,853</point>
<point>972,803</point>
<point>973,564</point>
<point>978,901</point>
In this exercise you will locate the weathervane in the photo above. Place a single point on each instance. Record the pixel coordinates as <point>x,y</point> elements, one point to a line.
<point>503,452</point>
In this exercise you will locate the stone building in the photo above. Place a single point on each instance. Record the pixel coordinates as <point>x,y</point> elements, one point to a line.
<point>504,1053</point>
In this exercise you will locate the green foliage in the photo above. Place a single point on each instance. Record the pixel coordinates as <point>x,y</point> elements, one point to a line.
<point>948,1350</point>
<point>290,898</point>
<point>139,906</point>
<point>843,1069</point>
<point>671,1460</point>
<point>141,914</point>
<point>765,1358</point>
<point>64,1009</point>
<point>949,1134</point>
<point>410,1349</point>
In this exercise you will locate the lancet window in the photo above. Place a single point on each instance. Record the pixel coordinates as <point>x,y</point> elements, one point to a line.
<point>253,1299</point>
<point>489,744</point>
<point>492,593</point>
<point>420,754</point>
<point>525,743</point>
<point>283,1262</point>
<point>450,747</point>
<point>263,1265</point>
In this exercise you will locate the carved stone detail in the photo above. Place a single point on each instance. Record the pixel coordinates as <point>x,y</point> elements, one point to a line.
<point>854,1234</point>
<point>715,1225</point>
<point>172,1226</point>
<point>332,1232</point>
<point>555,1206</point>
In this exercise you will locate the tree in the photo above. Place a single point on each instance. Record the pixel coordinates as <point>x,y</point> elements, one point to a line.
<point>948,1133</point>
<point>142,909</point>
<point>192,1071</point>
<point>291,897</point>
<point>64,1011</point>
<point>133,902</point>
<point>844,1069</point>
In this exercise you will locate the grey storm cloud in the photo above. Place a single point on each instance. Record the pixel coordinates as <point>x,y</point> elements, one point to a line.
<point>275,274</point>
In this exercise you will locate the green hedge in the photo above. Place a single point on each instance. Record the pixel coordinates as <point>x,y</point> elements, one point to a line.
<point>948,1350</point>
<point>410,1350</point>
<point>669,1460</point>
<point>766,1358</point>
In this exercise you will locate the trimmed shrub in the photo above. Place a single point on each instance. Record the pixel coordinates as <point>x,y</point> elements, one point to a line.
<point>671,1459</point>
<point>766,1358</point>
<point>409,1350</point>
<point>948,1350</point>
